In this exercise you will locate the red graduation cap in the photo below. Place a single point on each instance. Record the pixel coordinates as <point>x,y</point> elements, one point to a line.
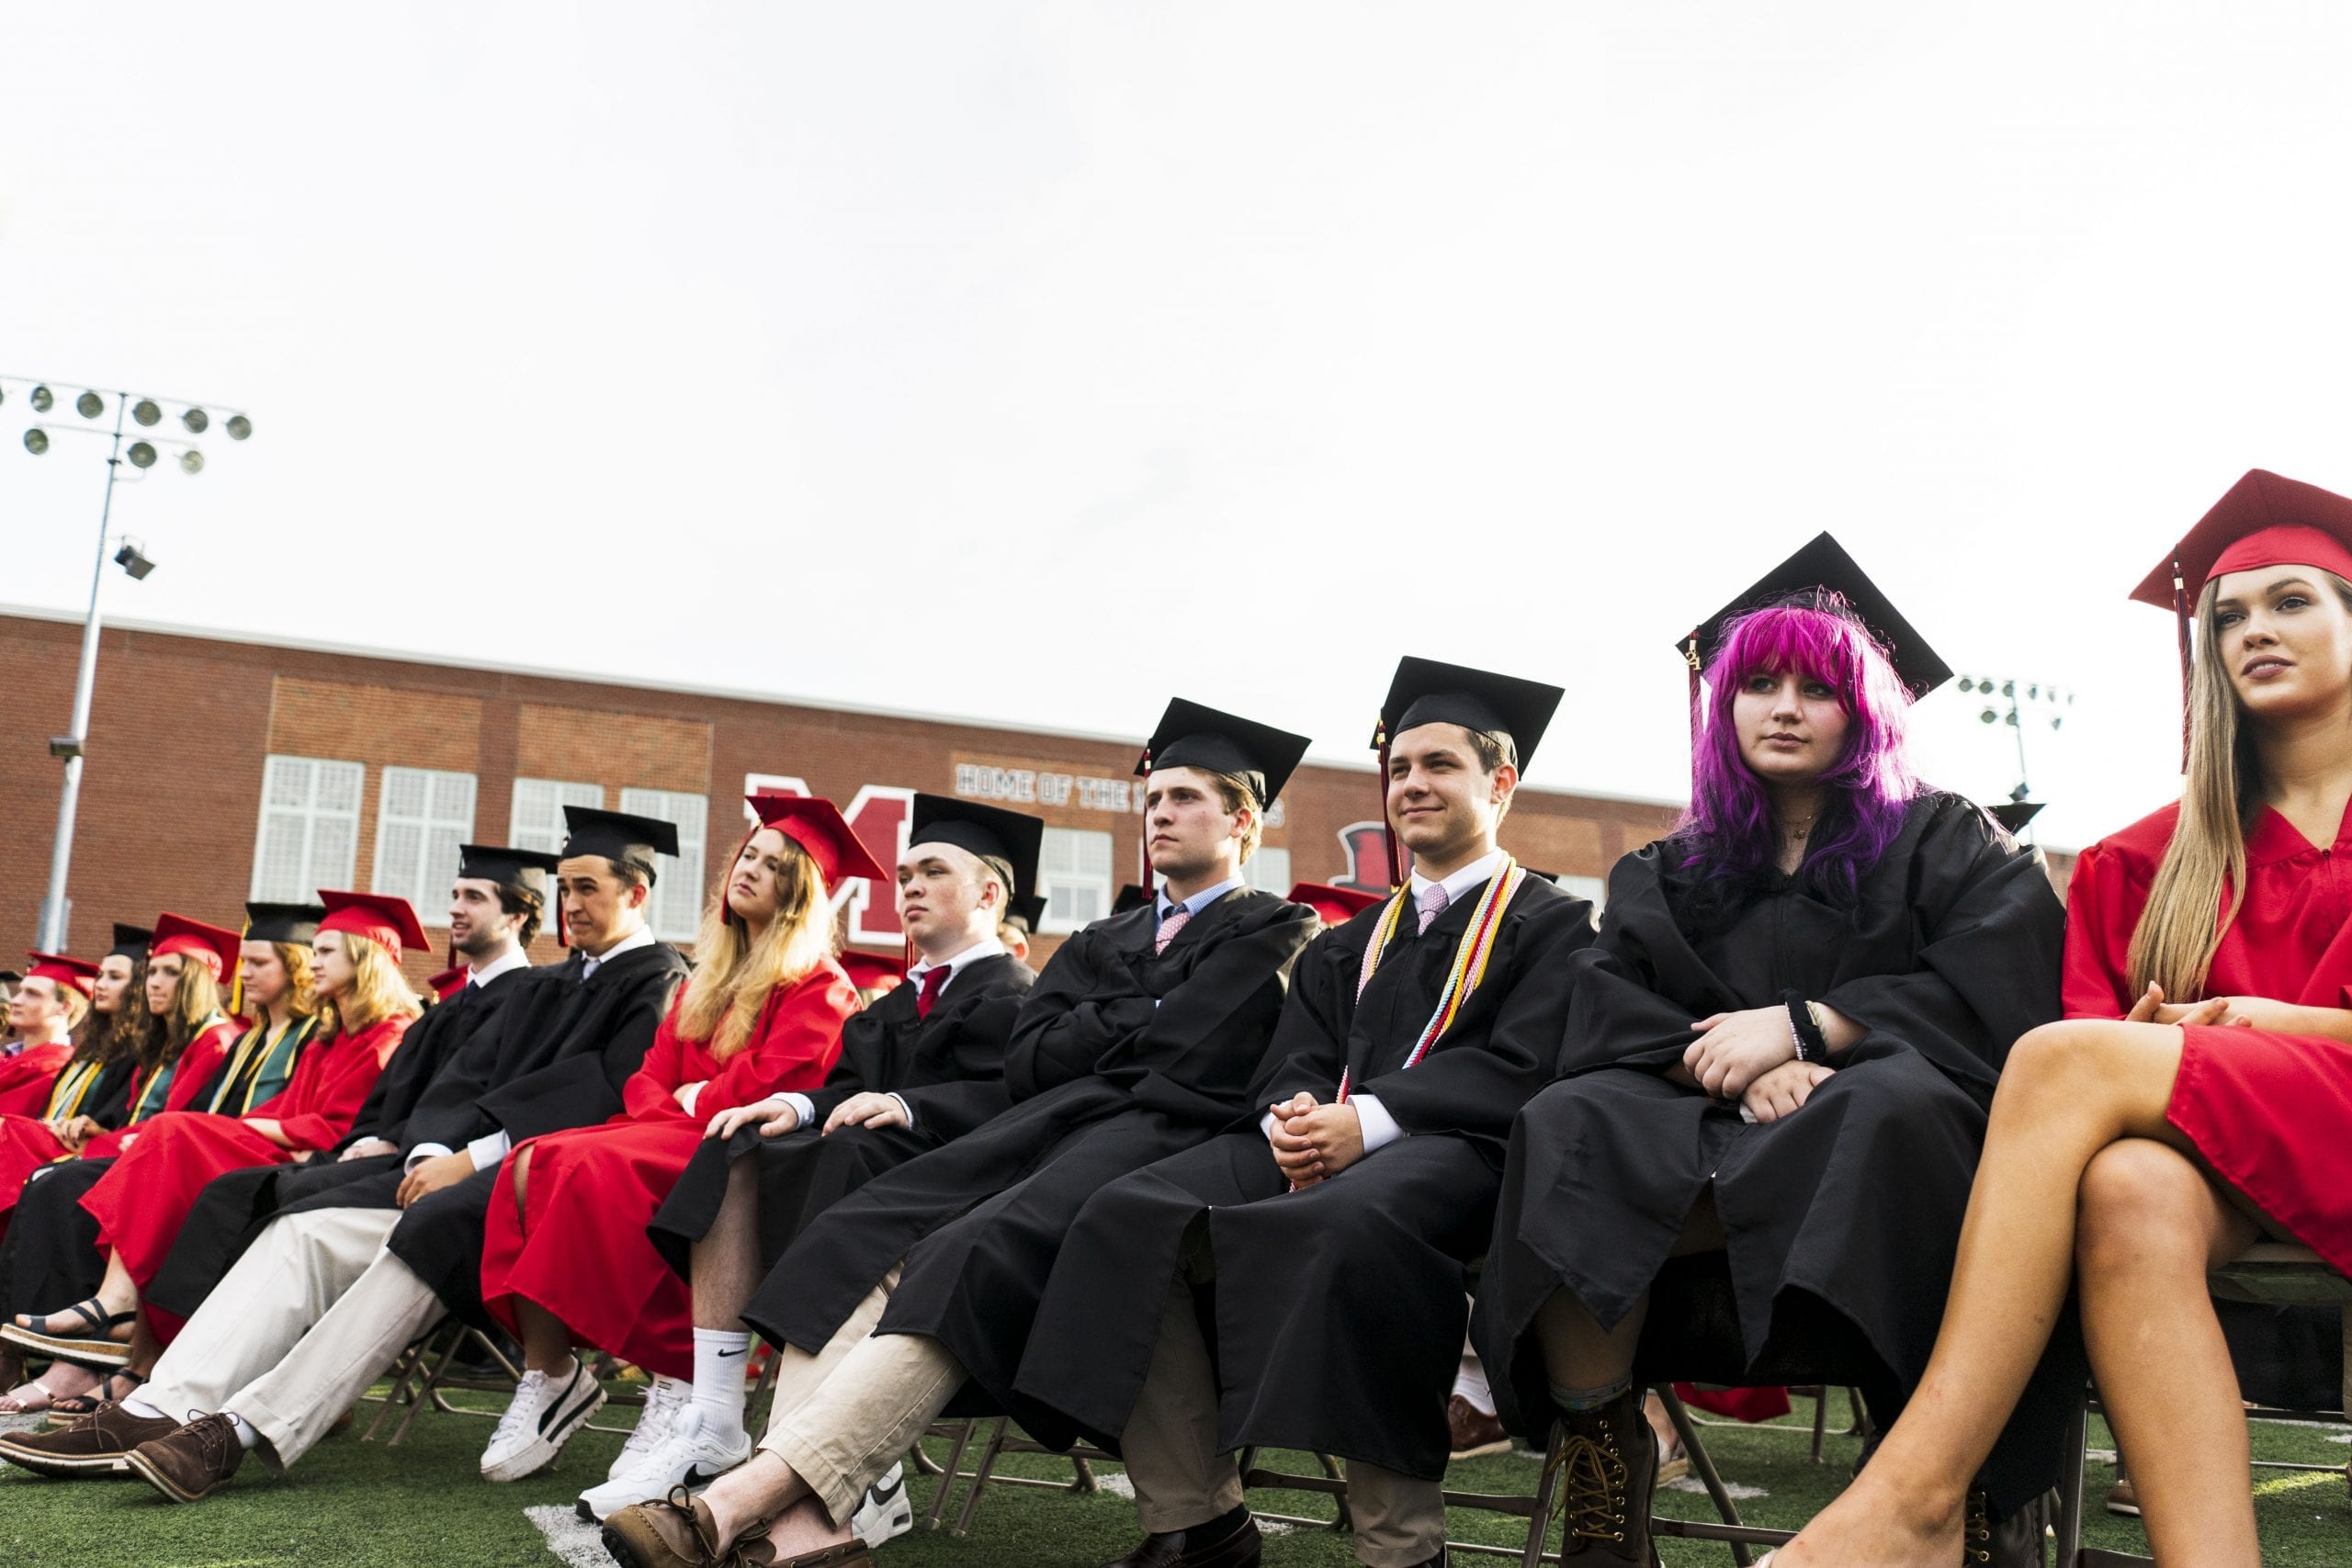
<point>449,983</point>
<point>211,946</point>
<point>78,973</point>
<point>383,919</point>
<point>2265,519</point>
<point>874,971</point>
<point>816,825</point>
<point>1337,905</point>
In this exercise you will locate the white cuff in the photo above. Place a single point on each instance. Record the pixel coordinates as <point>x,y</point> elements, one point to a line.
<point>489,1149</point>
<point>421,1153</point>
<point>1266,1125</point>
<point>802,1106</point>
<point>1378,1127</point>
<point>904,1109</point>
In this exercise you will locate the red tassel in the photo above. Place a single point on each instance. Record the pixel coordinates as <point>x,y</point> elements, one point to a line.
<point>2181,618</point>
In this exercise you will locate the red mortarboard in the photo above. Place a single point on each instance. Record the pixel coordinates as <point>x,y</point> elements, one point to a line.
<point>817,826</point>
<point>449,983</point>
<point>2265,520</point>
<point>383,919</point>
<point>1337,905</point>
<point>78,973</point>
<point>874,971</point>
<point>216,949</point>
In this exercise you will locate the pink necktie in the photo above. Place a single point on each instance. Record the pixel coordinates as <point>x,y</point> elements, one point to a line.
<point>1432,902</point>
<point>1175,922</point>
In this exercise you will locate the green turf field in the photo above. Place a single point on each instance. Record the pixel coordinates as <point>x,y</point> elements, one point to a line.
<point>360,1503</point>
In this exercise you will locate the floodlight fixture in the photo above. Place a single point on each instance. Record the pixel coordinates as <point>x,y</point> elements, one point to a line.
<point>36,440</point>
<point>89,405</point>
<point>239,427</point>
<point>146,411</point>
<point>142,455</point>
<point>43,400</point>
<point>197,420</point>
<point>191,461</point>
<point>133,559</point>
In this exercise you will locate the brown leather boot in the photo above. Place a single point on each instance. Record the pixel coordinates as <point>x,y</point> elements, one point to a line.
<point>1606,1464</point>
<point>191,1463</point>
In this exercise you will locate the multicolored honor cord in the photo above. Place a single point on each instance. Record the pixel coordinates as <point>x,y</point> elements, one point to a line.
<point>1469,959</point>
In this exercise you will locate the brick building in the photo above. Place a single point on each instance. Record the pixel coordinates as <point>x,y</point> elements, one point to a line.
<point>282,767</point>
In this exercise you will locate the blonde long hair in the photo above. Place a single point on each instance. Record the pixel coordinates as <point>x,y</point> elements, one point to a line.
<point>2200,883</point>
<point>195,1004</point>
<point>734,976</point>
<point>376,992</point>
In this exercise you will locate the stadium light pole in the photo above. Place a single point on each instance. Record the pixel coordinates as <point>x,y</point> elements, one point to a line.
<point>2026,697</point>
<point>142,455</point>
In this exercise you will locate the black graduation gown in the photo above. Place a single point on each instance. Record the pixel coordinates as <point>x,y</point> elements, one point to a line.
<point>556,1058</point>
<point>1119,1058</point>
<point>1338,1310</point>
<point>235,1205</point>
<point>949,1068</point>
<point>1842,1220</point>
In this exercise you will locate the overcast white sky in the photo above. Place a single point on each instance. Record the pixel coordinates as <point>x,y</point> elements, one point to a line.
<point>1232,350</point>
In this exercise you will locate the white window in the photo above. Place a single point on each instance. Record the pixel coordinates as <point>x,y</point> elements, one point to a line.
<point>536,821</point>
<point>675,913</point>
<point>310,828</point>
<point>1074,873</point>
<point>1268,870</point>
<point>1593,887</point>
<point>421,816</point>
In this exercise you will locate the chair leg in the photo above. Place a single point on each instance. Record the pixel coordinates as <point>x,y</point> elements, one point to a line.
<point>947,1477</point>
<point>1703,1464</point>
<point>2070,1486</point>
<point>1820,1420</point>
<point>1547,1487</point>
<point>980,1474</point>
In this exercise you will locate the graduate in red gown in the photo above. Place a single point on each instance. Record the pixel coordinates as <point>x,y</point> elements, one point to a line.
<point>139,1203</point>
<point>567,1260</point>
<point>2200,1093</point>
<point>50,1003</point>
<point>187,963</point>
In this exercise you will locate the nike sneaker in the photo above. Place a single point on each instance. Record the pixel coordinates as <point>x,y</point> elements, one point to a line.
<point>687,1456</point>
<point>885,1511</point>
<point>546,1411</point>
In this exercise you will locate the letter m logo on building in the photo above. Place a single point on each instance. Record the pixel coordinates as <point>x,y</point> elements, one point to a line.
<point>878,816</point>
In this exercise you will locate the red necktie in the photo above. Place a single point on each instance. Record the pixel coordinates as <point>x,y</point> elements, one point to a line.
<point>933,982</point>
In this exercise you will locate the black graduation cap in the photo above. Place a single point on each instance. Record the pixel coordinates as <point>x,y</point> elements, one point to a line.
<point>1810,577</point>
<point>528,870</point>
<point>1426,691</point>
<point>296,923</point>
<point>1012,836</point>
<point>1191,735</point>
<point>618,837</point>
<point>131,942</point>
<point>1131,897</point>
<point>1027,911</point>
<point>2013,815</point>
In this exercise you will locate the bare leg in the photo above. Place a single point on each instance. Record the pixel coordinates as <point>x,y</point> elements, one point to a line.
<point>2069,1091</point>
<point>762,1487</point>
<point>724,1263</point>
<point>2151,1225</point>
<point>118,1292</point>
<point>1577,1352</point>
<point>547,1342</point>
<point>522,1178</point>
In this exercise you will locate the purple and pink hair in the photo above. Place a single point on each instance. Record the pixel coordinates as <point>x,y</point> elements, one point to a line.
<point>1729,831</point>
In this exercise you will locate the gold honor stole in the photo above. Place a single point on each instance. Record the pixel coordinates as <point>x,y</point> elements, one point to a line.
<point>1469,959</point>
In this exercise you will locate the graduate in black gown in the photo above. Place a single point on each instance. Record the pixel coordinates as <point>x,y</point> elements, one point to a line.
<point>495,909</point>
<point>1140,1040</point>
<point>1777,1059</point>
<point>1316,1256</point>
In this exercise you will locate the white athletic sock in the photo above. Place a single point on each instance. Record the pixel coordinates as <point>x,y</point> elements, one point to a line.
<point>719,1389</point>
<point>145,1411</point>
<point>246,1437</point>
<point>1470,1382</point>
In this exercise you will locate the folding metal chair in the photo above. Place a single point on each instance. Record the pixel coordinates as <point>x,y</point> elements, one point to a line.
<point>2274,1274</point>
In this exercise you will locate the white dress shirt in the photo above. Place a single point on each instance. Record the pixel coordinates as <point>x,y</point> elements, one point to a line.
<point>987,947</point>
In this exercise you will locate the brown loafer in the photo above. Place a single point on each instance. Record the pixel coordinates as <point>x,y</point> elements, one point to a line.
<point>93,1445</point>
<point>1240,1549</point>
<point>1476,1432</point>
<point>191,1462</point>
<point>678,1531</point>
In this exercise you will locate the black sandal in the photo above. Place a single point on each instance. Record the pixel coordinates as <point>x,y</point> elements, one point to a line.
<point>74,1405</point>
<point>91,1341</point>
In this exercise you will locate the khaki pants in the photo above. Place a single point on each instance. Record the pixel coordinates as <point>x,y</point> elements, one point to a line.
<point>1181,1479</point>
<point>850,1412</point>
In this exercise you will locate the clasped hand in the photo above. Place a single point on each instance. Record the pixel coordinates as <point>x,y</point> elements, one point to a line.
<point>1734,1049</point>
<point>1314,1142</point>
<point>2152,1007</point>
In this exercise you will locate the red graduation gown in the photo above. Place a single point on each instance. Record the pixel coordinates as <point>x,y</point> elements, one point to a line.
<point>191,1076</point>
<point>24,1077</point>
<point>2271,1113</point>
<point>579,1248</point>
<point>139,1203</point>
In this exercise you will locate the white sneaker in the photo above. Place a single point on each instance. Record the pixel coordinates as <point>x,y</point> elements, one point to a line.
<point>543,1417</point>
<point>687,1456</point>
<point>886,1511</point>
<point>662,1403</point>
